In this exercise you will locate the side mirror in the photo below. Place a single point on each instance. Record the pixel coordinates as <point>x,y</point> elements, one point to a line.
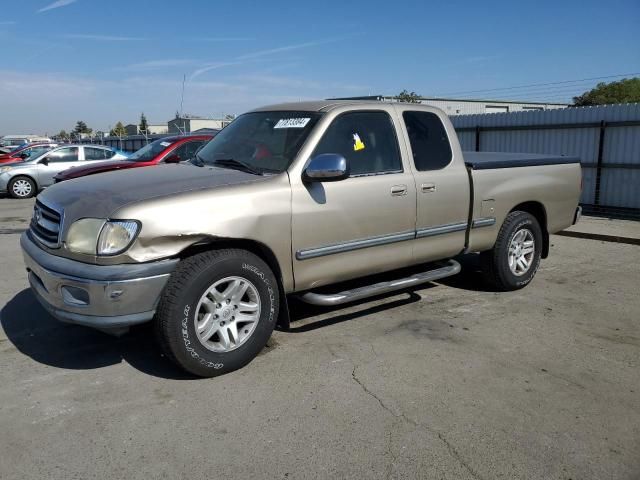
<point>44,161</point>
<point>24,155</point>
<point>173,158</point>
<point>326,167</point>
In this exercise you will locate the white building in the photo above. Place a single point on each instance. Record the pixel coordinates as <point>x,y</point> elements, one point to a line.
<point>466,106</point>
<point>152,129</point>
<point>190,123</point>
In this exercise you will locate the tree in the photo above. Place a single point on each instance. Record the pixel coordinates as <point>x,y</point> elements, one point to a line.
<point>408,97</point>
<point>118,130</point>
<point>81,127</point>
<point>143,126</point>
<point>62,135</point>
<point>626,90</point>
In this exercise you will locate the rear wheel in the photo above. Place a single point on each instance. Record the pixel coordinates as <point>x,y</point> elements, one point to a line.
<point>514,259</point>
<point>22,187</point>
<point>218,311</point>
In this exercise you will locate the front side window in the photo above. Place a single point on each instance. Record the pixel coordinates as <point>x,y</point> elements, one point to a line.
<point>429,142</point>
<point>67,154</point>
<point>261,141</point>
<point>366,139</point>
<point>187,150</point>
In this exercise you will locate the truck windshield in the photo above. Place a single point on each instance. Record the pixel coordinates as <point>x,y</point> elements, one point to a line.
<point>261,141</point>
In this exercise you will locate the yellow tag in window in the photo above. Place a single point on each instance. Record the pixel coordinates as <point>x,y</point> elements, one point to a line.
<point>357,143</point>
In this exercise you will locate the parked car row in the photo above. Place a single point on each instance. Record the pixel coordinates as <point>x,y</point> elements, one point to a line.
<point>24,152</point>
<point>30,168</point>
<point>26,178</point>
<point>164,150</point>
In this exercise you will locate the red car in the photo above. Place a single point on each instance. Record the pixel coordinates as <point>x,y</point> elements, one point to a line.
<point>163,150</point>
<point>23,152</point>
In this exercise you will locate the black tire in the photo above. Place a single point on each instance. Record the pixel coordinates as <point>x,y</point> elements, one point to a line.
<point>495,262</point>
<point>175,317</point>
<point>32,191</point>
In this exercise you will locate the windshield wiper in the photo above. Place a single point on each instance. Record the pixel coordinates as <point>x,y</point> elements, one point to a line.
<point>236,165</point>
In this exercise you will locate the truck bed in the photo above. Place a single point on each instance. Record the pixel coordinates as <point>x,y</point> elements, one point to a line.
<point>490,160</point>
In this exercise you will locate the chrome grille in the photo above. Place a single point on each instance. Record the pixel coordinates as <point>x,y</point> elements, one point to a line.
<point>46,224</point>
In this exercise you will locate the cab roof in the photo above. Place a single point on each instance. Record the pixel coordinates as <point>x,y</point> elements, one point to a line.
<point>316,105</point>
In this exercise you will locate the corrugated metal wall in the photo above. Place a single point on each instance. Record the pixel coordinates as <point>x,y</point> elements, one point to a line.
<point>614,164</point>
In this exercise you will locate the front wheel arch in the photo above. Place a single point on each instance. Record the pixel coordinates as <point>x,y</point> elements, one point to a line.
<point>257,248</point>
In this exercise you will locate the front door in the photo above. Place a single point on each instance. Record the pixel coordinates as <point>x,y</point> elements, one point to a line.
<point>442,186</point>
<point>363,224</point>
<point>56,162</point>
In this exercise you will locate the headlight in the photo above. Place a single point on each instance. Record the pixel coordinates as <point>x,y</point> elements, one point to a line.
<point>116,236</point>
<point>5,169</point>
<point>97,236</point>
<point>83,235</point>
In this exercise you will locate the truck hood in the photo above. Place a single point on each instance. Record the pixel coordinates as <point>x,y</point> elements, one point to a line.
<point>99,196</point>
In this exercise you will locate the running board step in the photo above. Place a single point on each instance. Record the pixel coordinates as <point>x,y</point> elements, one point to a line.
<point>451,268</point>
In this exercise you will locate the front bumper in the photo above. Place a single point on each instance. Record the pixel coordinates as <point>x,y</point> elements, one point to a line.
<point>100,296</point>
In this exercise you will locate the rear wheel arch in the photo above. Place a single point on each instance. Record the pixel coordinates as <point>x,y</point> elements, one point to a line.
<point>538,210</point>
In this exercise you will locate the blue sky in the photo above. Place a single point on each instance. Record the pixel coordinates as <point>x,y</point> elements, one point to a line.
<point>102,62</point>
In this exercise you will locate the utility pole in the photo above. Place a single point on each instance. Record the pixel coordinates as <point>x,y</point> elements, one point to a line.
<point>184,79</point>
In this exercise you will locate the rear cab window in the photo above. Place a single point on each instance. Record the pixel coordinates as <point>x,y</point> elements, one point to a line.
<point>366,139</point>
<point>430,145</point>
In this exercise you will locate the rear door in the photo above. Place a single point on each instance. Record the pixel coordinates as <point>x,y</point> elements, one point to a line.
<point>360,225</point>
<point>442,186</point>
<point>95,153</point>
<point>56,162</point>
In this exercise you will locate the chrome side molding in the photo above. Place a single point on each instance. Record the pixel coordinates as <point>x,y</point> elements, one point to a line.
<point>392,238</point>
<point>354,245</point>
<point>483,222</point>
<point>441,229</point>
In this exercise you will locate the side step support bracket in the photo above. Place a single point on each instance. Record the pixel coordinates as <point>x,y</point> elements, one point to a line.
<point>451,268</point>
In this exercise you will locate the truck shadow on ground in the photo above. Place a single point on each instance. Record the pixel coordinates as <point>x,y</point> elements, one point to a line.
<point>38,335</point>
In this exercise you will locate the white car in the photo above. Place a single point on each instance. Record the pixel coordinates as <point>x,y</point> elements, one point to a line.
<point>26,179</point>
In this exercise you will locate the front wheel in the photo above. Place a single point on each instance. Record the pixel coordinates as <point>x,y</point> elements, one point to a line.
<point>217,312</point>
<point>514,259</point>
<point>22,187</point>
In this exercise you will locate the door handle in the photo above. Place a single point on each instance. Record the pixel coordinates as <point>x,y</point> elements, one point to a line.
<point>398,190</point>
<point>428,187</point>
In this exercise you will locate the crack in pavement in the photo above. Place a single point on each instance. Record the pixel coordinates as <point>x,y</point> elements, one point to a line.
<point>450,448</point>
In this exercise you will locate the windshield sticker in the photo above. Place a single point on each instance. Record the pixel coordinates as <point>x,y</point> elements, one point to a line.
<point>165,144</point>
<point>292,123</point>
<point>357,143</point>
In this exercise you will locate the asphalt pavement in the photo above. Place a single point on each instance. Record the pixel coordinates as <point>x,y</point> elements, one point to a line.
<point>448,381</point>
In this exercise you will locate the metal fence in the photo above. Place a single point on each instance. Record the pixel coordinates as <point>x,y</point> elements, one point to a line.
<point>130,143</point>
<point>606,138</point>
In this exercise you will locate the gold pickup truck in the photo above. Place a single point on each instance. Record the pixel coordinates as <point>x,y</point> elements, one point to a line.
<point>285,200</point>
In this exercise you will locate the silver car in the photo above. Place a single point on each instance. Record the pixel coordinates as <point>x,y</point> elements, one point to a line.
<point>26,179</point>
